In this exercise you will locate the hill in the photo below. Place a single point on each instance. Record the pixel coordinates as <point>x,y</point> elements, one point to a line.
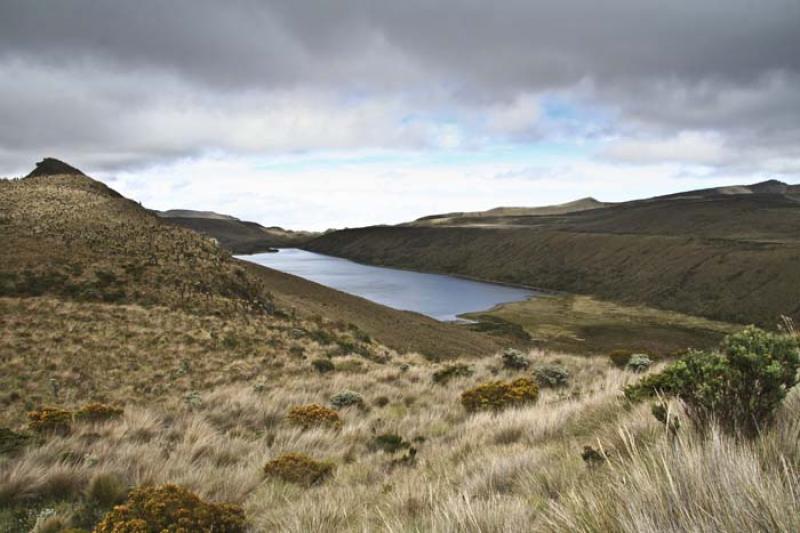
<point>462,218</point>
<point>237,236</point>
<point>700,252</point>
<point>76,238</point>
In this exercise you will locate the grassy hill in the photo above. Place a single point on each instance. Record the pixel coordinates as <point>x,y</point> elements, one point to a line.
<point>237,236</point>
<point>701,252</point>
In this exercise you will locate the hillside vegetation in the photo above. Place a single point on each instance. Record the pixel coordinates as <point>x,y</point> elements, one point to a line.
<point>701,253</point>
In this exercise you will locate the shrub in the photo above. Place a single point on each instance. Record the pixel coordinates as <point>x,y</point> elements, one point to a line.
<point>299,468</point>
<point>381,401</point>
<point>443,375</point>
<point>323,365</point>
<point>314,415</point>
<point>638,363</point>
<point>11,441</point>
<point>740,387</point>
<point>97,412</point>
<point>50,420</point>
<point>620,358</point>
<point>500,395</point>
<point>106,489</point>
<point>170,508</point>
<point>592,457</point>
<point>551,376</point>
<point>346,399</point>
<point>514,360</point>
<point>389,443</point>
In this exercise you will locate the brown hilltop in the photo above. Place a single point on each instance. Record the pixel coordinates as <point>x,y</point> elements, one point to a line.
<point>50,166</point>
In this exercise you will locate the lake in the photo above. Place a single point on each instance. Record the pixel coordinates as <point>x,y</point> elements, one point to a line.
<point>436,295</point>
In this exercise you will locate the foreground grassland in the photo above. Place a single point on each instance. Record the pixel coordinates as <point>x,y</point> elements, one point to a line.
<point>586,325</point>
<point>517,470</point>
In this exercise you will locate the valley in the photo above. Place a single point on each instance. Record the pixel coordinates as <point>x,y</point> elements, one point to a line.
<point>699,253</point>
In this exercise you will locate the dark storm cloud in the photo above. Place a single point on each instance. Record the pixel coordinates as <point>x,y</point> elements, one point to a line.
<point>104,70</point>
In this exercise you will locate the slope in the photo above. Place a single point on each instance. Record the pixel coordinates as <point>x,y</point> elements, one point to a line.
<point>237,236</point>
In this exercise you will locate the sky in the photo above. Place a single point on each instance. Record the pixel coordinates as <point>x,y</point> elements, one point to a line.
<point>314,115</point>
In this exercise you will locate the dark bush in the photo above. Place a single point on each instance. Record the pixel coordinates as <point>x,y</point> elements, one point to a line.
<point>740,387</point>
<point>323,365</point>
<point>514,360</point>
<point>639,363</point>
<point>551,376</point>
<point>347,399</point>
<point>389,443</point>
<point>11,441</point>
<point>443,375</point>
<point>620,358</point>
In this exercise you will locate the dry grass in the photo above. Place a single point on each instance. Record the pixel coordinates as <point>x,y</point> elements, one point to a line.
<point>519,469</point>
<point>465,466</point>
<point>67,353</point>
<point>693,483</point>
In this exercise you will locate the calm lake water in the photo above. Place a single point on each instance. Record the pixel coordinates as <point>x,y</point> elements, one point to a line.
<point>436,295</point>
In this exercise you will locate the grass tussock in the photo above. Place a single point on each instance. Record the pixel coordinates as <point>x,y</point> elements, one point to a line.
<point>694,482</point>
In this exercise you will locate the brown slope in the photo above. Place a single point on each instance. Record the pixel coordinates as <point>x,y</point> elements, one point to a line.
<point>237,236</point>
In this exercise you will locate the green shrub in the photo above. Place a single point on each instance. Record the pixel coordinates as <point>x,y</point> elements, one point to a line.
<point>593,458</point>
<point>638,363</point>
<point>514,360</point>
<point>347,399</point>
<point>106,489</point>
<point>97,412</point>
<point>11,441</point>
<point>740,387</point>
<point>620,358</point>
<point>323,365</point>
<point>169,508</point>
<point>389,443</point>
<point>381,401</point>
<point>311,415</point>
<point>499,395</point>
<point>50,420</point>
<point>443,375</point>
<point>551,376</point>
<point>299,468</point>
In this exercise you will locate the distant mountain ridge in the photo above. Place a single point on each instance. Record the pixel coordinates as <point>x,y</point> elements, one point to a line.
<point>574,206</point>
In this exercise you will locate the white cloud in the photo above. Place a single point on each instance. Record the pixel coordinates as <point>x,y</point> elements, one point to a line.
<point>690,147</point>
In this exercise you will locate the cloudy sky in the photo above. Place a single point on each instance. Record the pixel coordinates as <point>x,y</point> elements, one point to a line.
<point>331,114</point>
